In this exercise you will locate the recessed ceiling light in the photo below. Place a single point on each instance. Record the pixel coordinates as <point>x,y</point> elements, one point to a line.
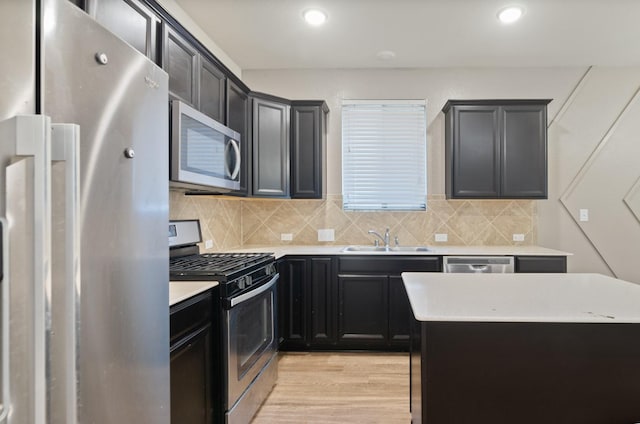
<point>510,14</point>
<point>315,17</point>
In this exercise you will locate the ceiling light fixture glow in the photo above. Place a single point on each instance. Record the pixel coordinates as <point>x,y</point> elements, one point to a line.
<point>510,14</point>
<point>315,17</point>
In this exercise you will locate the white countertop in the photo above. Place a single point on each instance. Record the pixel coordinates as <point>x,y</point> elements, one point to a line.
<point>522,298</point>
<point>183,290</point>
<point>280,251</point>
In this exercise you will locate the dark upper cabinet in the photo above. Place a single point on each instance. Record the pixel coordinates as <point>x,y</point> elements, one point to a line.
<point>193,78</point>
<point>181,61</point>
<point>496,148</point>
<point>270,146</point>
<point>212,90</point>
<point>308,149</point>
<point>239,120</point>
<point>130,20</point>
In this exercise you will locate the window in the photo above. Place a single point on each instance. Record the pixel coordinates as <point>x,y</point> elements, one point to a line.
<point>384,155</point>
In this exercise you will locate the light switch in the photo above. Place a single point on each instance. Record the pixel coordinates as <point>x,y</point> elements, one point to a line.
<point>286,236</point>
<point>208,244</point>
<point>584,215</point>
<point>518,237</point>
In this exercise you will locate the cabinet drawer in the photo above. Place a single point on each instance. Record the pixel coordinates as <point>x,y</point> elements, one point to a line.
<point>541,264</point>
<point>388,264</point>
<point>188,315</point>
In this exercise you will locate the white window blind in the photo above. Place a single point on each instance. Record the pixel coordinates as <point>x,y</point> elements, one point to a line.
<point>384,154</point>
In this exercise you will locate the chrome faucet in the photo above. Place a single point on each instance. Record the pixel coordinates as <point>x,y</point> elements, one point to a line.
<point>385,239</point>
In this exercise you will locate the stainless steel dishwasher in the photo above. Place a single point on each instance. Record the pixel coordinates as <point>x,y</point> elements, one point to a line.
<point>479,264</point>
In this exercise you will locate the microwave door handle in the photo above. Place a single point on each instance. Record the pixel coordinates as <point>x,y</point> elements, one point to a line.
<point>65,280</point>
<point>25,208</point>
<point>236,148</point>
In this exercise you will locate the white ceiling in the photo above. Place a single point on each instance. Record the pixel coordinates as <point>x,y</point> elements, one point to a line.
<point>271,34</point>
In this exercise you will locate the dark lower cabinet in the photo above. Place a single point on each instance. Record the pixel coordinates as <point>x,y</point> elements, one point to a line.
<point>346,302</point>
<point>191,379</point>
<point>306,302</point>
<point>399,313</point>
<point>541,263</point>
<point>364,311</point>
<point>195,391</point>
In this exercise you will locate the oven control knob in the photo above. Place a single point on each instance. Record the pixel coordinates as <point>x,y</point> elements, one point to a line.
<point>271,269</point>
<point>242,283</point>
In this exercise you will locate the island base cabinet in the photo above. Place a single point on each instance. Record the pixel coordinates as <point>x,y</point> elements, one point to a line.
<point>526,373</point>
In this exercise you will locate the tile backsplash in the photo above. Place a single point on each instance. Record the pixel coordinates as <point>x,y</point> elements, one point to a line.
<point>236,222</point>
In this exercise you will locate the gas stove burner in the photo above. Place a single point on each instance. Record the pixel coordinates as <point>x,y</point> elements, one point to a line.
<point>216,264</point>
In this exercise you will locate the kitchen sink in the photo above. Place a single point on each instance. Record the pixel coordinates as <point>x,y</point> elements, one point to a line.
<point>385,249</point>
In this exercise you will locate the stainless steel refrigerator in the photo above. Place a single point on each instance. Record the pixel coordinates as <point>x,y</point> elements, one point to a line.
<point>84,316</point>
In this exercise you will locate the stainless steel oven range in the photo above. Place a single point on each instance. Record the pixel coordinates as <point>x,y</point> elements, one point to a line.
<point>248,287</point>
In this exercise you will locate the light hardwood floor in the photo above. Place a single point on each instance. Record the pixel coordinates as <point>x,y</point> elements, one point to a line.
<point>339,387</point>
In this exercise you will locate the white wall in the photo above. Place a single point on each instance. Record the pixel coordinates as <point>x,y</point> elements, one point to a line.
<point>181,16</point>
<point>593,149</point>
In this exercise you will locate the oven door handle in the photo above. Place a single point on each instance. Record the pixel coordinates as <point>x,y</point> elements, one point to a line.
<point>253,293</point>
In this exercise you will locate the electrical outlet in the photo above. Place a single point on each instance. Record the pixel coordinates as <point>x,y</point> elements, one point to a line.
<point>208,244</point>
<point>518,237</point>
<point>286,236</point>
<point>584,215</point>
<point>327,234</point>
<point>442,237</point>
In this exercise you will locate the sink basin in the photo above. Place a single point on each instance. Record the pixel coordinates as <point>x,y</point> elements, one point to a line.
<point>384,249</point>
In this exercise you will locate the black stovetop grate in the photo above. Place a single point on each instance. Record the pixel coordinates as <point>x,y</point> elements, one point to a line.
<point>217,263</point>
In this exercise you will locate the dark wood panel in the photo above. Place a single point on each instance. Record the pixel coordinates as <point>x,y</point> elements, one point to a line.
<point>212,91</point>
<point>528,373</point>
<point>476,152</point>
<point>270,148</point>
<point>399,312</point>
<point>181,61</point>
<point>323,301</point>
<point>293,302</point>
<point>191,379</point>
<point>308,133</point>
<point>190,314</point>
<point>367,264</point>
<point>238,119</point>
<point>363,309</point>
<point>524,151</point>
<point>541,263</point>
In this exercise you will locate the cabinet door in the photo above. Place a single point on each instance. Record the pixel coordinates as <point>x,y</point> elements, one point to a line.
<point>191,378</point>
<point>534,264</point>
<point>293,303</point>
<point>476,152</point>
<point>238,118</point>
<point>270,148</point>
<point>181,61</point>
<point>131,21</point>
<point>399,312</point>
<point>212,90</point>
<point>323,313</point>
<point>524,151</point>
<point>363,311</point>
<point>307,136</point>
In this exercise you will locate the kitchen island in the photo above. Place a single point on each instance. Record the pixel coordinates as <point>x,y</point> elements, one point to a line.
<point>525,348</point>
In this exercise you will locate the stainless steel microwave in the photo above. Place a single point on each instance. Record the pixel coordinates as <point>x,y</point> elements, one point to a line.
<point>205,155</point>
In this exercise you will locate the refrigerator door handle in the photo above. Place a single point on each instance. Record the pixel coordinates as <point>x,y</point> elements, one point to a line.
<point>63,298</point>
<point>4,320</point>
<point>25,205</point>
